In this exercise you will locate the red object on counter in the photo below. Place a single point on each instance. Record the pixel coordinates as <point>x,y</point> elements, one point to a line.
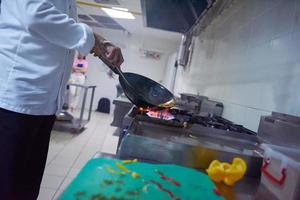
<point>160,187</point>
<point>217,192</point>
<point>278,181</point>
<point>162,176</point>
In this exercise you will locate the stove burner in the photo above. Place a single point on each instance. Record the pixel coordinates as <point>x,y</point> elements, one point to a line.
<point>171,117</point>
<point>185,119</point>
<point>161,114</point>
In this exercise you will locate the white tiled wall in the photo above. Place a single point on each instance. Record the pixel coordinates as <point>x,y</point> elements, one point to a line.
<point>249,59</point>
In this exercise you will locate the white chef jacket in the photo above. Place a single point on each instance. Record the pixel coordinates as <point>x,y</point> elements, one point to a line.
<point>38,39</point>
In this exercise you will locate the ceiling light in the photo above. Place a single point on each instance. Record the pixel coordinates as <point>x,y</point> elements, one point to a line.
<point>121,9</point>
<point>118,13</point>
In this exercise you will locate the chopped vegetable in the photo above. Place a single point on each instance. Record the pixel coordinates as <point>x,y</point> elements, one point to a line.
<point>164,177</point>
<point>145,188</point>
<point>120,182</point>
<point>135,175</point>
<point>161,188</point>
<point>129,161</point>
<point>108,182</point>
<point>102,197</point>
<point>133,192</point>
<point>112,171</point>
<point>122,167</point>
<point>79,194</point>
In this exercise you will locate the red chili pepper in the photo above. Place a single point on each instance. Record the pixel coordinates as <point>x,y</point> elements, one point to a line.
<point>217,192</point>
<point>160,187</point>
<point>171,180</point>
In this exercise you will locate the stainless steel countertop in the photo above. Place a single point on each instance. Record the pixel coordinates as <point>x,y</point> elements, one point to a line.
<point>122,99</point>
<point>245,189</point>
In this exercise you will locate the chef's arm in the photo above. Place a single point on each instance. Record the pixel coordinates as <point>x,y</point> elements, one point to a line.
<point>41,18</point>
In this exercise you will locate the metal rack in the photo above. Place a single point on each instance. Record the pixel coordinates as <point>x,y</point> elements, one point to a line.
<point>67,122</point>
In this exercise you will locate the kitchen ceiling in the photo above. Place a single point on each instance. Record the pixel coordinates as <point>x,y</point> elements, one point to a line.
<point>96,17</point>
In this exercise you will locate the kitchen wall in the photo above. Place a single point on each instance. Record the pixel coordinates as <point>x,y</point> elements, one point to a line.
<point>134,62</point>
<point>249,60</point>
<point>170,72</point>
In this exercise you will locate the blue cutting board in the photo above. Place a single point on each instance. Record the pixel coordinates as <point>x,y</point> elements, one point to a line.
<point>100,179</point>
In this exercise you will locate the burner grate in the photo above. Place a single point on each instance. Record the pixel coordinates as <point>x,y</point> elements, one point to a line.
<point>182,118</point>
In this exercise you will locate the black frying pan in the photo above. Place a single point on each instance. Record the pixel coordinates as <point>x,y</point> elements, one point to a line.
<point>142,91</point>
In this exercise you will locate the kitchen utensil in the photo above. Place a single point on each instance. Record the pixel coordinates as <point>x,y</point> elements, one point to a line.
<point>142,91</point>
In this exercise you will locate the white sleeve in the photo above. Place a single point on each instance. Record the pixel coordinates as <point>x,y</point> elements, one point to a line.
<point>41,17</point>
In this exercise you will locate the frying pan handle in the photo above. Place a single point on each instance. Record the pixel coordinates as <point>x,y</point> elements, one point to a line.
<point>116,70</point>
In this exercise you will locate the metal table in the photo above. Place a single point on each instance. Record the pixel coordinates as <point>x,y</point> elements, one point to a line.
<point>77,125</point>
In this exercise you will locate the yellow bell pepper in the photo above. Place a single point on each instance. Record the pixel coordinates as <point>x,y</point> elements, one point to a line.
<point>228,173</point>
<point>235,172</point>
<point>216,171</point>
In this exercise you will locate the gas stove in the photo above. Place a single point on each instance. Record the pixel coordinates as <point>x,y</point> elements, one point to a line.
<point>219,123</point>
<point>186,138</point>
<point>187,119</point>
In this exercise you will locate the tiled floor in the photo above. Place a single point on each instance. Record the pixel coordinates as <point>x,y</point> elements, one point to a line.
<point>68,153</point>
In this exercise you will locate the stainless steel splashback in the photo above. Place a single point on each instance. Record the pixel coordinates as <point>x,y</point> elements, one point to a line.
<point>185,154</point>
<point>280,129</point>
<point>163,144</point>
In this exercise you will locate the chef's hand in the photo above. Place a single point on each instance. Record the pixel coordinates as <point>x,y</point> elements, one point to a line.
<point>107,51</point>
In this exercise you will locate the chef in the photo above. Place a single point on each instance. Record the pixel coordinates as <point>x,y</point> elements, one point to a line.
<point>38,39</point>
